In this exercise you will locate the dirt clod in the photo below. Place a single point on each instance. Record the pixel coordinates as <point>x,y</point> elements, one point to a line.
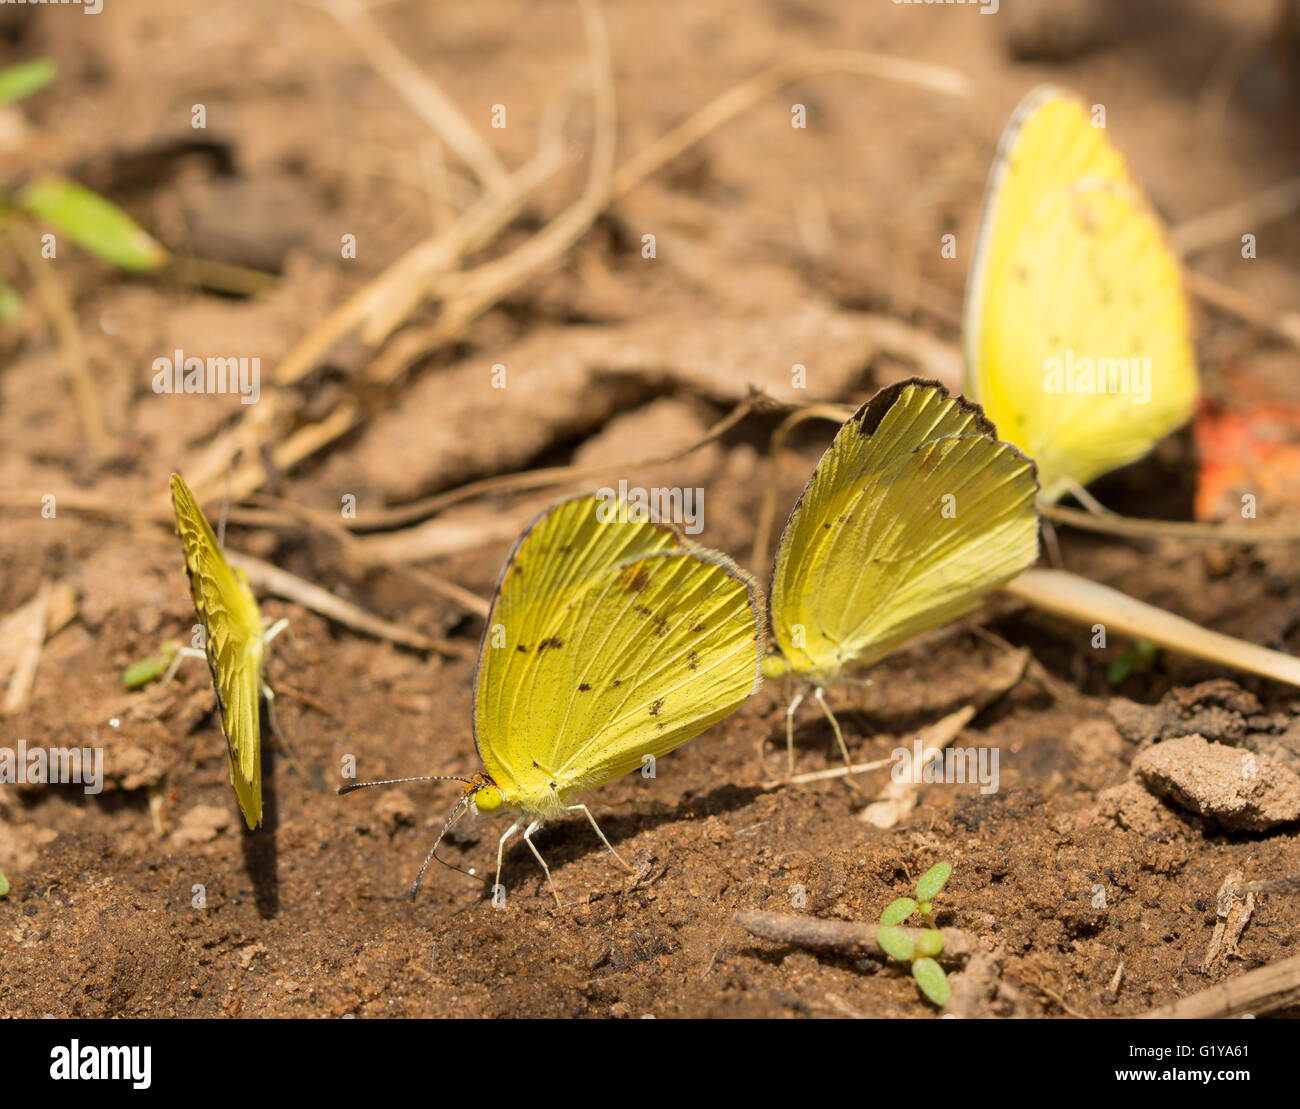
<point>201,824</point>
<point>1237,789</point>
<point>1132,806</point>
<point>1219,711</point>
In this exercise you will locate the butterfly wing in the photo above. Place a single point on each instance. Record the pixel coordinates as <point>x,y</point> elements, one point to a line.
<point>915,511</point>
<point>232,641</point>
<point>1073,279</point>
<point>607,642</point>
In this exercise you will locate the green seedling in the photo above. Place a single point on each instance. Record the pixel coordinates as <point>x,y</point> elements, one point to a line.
<point>4,885</point>
<point>93,223</point>
<point>71,210</point>
<point>25,78</point>
<point>1138,659</point>
<point>148,670</point>
<point>924,951</point>
<point>11,304</point>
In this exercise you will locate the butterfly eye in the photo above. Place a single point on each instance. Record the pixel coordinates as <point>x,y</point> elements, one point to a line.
<point>487,799</point>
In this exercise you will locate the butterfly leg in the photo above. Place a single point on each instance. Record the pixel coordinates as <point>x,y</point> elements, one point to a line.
<point>820,694</point>
<point>181,654</point>
<point>281,737</point>
<point>1051,543</point>
<point>272,630</point>
<point>528,834</point>
<point>789,729</point>
<point>592,819</point>
<point>1086,499</point>
<point>501,847</point>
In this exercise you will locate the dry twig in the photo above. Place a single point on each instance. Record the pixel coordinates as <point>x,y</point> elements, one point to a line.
<point>1088,602</point>
<point>29,656</point>
<point>1233,916</point>
<point>272,579</point>
<point>420,92</point>
<point>1263,990</point>
<point>845,937</point>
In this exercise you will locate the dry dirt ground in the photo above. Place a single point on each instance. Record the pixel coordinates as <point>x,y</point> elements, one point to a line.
<point>775,246</point>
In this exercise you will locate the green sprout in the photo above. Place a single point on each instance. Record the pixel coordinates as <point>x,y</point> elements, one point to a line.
<point>93,223</point>
<point>150,669</point>
<point>4,885</point>
<point>1138,659</point>
<point>924,951</point>
<point>73,210</point>
<point>25,78</point>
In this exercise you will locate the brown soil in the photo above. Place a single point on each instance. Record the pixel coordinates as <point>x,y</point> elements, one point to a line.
<point>768,254</point>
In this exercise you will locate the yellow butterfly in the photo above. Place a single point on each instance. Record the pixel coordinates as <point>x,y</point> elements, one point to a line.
<point>913,514</point>
<point>610,642</point>
<point>233,642</point>
<point>1077,335</point>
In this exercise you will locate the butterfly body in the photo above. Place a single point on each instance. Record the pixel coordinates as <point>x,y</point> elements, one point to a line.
<point>1076,330</point>
<point>599,653</point>
<point>233,643</point>
<point>610,642</point>
<point>914,513</point>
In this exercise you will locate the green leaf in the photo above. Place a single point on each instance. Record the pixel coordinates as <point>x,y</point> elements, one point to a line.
<point>92,222</point>
<point>142,673</point>
<point>25,78</point>
<point>930,943</point>
<point>1119,671</point>
<point>11,303</point>
<point>930,977</point>
<point>894,941</point>
<point>898,911</point>
<point>1136,660</point>
<point>4,885</point>
<point>932,881</point>
<point>150,669</point>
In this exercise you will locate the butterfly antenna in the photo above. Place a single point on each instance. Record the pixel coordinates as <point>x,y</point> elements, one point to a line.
<point>225,500</point>
<point>456,814</point>
<point>350,786</point>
